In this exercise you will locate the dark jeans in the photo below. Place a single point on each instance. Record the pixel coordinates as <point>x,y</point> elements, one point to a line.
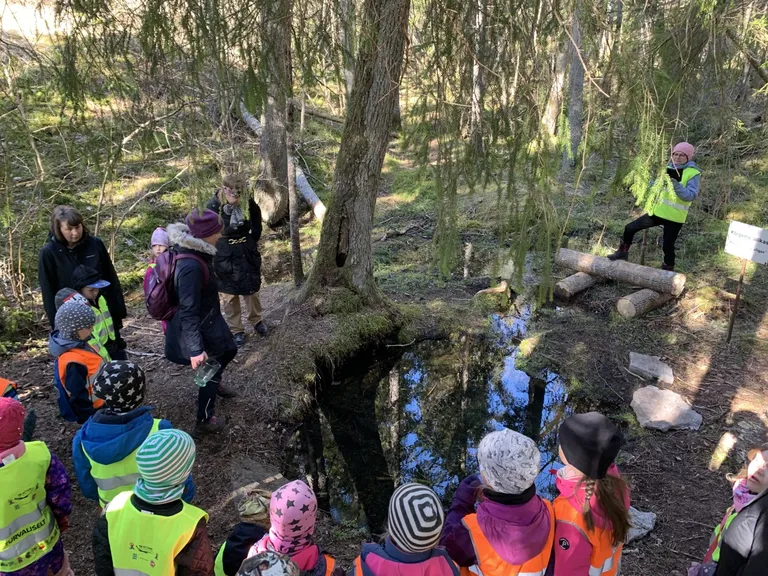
<point>206,396</point>
<point>671,230</point>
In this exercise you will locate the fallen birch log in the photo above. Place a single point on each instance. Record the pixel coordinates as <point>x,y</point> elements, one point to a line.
<point>641,302</point>
<point>662,281</point>
<point>568,287</point>
<point>302,184</point>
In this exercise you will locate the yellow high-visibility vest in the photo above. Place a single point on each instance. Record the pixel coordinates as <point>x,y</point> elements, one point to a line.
<point>669,205</point>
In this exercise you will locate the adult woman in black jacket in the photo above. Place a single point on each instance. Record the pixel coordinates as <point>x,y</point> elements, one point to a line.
<point>69,246</point>
<point>238,261</point>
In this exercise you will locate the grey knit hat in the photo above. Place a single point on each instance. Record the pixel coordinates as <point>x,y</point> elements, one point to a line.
<point>509,461</point>
<point>415,518</point>
<point>73,316</point>
<point>268,564</point>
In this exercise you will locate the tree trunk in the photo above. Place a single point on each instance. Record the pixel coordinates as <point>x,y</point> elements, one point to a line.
<point>272,187</point>
<point>297,269</point>
<point>641,302</point>
<point>622,271</point>
<point>575,93</point>
<point>344,256</point>
<point>568,287</point>
<point>346,40</point>
<point>478,82</point>
<point>555,99</point>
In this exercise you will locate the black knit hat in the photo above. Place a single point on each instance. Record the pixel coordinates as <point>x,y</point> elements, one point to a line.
<point>590,443</point>
<point>121,385</point>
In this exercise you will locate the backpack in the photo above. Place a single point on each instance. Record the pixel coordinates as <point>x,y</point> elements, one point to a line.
<point>161,297</point>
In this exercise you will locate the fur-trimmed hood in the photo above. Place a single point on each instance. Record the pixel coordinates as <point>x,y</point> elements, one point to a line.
<point>179,235</point>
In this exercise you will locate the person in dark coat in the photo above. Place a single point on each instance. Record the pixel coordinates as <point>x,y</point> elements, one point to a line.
<point>744,548</point>
<point>69,246</point>
<point>238,262</point>
<point>198,331</point>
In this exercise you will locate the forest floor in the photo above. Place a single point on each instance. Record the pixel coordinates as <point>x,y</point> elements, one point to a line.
<point>585,341</point>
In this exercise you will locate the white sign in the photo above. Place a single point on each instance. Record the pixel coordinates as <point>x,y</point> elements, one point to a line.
<point>749,242</point>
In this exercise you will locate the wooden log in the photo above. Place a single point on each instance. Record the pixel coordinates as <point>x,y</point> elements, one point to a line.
<point>302,184</point>
<point>641,302</point>
<point>662,281</point>
<point>568,287</point>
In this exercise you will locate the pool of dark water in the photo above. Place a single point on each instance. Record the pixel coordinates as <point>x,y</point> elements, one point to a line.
<point>417,415</point>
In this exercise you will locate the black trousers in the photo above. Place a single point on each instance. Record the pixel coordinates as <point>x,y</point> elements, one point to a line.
<point>671,230</point>
<point>206,396</point>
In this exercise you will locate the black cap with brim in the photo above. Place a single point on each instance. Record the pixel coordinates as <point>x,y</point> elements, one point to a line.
<point>590,443</point>
<point>85,277</point>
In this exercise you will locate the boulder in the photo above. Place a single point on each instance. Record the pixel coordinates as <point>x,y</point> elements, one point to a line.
<point>641,524</point>
<point>650,367</point>
<point>664,410</point>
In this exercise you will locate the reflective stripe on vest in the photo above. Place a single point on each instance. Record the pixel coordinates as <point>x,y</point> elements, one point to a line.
<point>28,529</point>
<point>104,329</point>
<point>148,543</point>
<point>605,558</point>
<point>218,565</point>
<point>669,205</point>
<point>92,362</point>
<point>111,479</point>
<point>489,563</point>
<point>713,553</point>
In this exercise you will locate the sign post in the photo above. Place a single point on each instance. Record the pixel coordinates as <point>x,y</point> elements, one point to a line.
<point>749,243</point>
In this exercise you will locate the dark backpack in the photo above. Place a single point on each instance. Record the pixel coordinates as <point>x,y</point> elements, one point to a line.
<point>161,297</point>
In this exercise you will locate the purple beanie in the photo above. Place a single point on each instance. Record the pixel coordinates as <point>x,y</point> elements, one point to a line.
<point>205,224</point>
<point>160,237</point>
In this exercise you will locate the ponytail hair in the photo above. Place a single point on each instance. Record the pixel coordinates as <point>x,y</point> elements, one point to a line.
<point>610,492</point>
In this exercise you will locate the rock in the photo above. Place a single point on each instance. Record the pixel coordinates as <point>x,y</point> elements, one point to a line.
<point>642,523</point>
<point>650,367</point>
<point>664,410</point>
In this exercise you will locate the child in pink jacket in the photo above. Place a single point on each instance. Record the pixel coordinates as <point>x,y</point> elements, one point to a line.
<point>592,511</point>
<point>159,244</point>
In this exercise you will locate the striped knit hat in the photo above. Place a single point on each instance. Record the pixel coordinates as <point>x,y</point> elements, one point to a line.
<point>415,518</point>
<point>165,461</point>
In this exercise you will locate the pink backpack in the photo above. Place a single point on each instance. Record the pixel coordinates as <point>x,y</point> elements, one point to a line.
<point>160,293</point>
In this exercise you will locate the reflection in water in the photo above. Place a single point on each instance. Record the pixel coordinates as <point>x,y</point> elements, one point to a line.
<point>419,417</point>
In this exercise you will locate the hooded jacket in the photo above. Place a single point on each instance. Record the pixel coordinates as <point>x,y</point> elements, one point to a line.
<point>388,560</point>
<point>574,560</point>
<point>198,325</point>
<point>78,405</point>
<point>517,532</point>
<point>56,263</point>
<point>744,550</point>
<point>109,438</point>
<point>237,261</point>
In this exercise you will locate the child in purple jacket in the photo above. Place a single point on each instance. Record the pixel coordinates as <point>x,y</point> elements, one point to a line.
<point>498,511</point>
<point>36,501</point>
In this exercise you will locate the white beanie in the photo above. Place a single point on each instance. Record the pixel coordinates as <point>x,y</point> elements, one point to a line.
<point>509,461</point>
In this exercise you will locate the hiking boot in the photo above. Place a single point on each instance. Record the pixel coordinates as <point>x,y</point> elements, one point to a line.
<point>622,253</point>
<point>225,391</point>
<point>239,339</point>
<point>213,426</point>
<point>665,266</point>
<point>261,329</point>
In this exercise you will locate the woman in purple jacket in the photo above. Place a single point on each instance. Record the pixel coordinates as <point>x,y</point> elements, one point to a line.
<point>498,513</point>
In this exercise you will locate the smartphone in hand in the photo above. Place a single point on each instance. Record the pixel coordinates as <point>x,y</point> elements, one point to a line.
<point>675,174</point>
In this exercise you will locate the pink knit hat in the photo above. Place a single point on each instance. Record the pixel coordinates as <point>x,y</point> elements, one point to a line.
<point>12,415</point>
<point>160,237</point>
<point>684,148</point>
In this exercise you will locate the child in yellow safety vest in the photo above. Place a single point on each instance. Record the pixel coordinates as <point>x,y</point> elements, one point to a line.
<point>77,363</point>
<point>748,484</point>
<point>292,516</point>
<point>88,283</point>
<point>512,529</point>
<point>151,530</point>
<point>36,501</point>
<point>592,511</point>
<point>104,449</point>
